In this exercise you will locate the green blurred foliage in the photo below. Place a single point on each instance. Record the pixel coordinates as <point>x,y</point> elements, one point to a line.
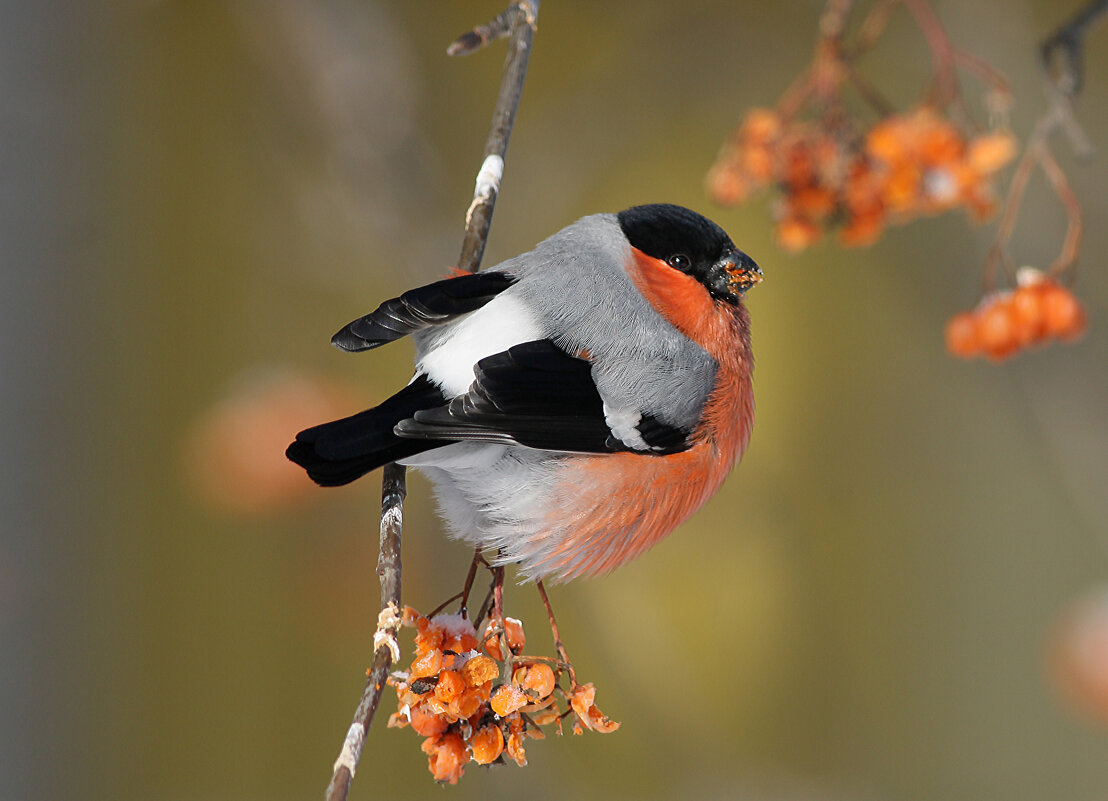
<point>862,612</point>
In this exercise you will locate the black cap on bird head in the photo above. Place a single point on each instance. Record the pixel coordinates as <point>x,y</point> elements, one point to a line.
<point>692,244</point>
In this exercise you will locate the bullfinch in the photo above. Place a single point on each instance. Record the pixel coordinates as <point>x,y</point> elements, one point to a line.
<point>572,405</point>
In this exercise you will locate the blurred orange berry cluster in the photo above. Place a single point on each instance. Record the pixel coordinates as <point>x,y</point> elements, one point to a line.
<point>471,701</point>
<point>1038,310</point>
<point>234,455</point>
<point>904,166</point>
<point>1078,655</point>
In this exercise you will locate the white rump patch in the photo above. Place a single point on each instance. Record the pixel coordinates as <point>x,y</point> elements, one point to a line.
<point>624,426</point>
<point>502,322</point>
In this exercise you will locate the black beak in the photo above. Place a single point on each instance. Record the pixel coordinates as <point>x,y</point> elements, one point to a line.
<point>730,277</point>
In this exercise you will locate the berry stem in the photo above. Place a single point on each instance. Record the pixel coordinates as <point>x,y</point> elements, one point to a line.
<point>561,649</point>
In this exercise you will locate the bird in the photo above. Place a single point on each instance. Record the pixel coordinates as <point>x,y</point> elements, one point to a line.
<point>572,405</point>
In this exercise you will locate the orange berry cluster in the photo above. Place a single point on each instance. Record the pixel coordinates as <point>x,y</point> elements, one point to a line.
<point>477,705</point>
<point>1037,310</point>
<point>904,166</point>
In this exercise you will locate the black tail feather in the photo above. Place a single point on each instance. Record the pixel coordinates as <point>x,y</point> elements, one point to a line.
<point>338,452</point>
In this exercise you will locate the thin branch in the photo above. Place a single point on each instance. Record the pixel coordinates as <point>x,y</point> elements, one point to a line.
<point>523,16</point>
<point>486,605</point>
<point>472,41</point>
<point>1072,243</point>
<point>1062,52</point>
<point>520,19</point>
<point>869,92</point>
<point>386,650</point>
<point>558,646</point>
<point>1062,55</point>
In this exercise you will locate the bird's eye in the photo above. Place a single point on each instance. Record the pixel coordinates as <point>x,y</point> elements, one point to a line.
<point>679,261</point>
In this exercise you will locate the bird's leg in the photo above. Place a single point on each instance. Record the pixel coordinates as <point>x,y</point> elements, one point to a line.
<point>463,609</point>
<point>486,605</point>
<point>558,645</point>
<point>464,594</point>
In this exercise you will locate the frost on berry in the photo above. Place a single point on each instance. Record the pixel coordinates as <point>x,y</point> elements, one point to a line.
<point>477,707</point>
<point>507,699</point>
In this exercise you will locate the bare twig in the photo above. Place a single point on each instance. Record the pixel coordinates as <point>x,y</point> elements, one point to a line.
<point>386,650</point>
<point>1062,55</point>
<point>522,16</point>
<point>1071,245</point>
<point>520,19</point>
<point>472,41</point>
<point>1062,52</point>
<point>558,645</point>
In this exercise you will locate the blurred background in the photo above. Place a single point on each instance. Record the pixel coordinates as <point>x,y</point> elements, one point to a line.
<point>196,195</point>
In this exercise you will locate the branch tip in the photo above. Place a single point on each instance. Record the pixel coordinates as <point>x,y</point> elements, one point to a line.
<point>499,27</point>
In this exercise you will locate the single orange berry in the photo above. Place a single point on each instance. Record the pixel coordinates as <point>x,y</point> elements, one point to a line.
<point>796,233</point>
<point>426,665</point>
<point>761,124</point>
<point>961,336</point>
<point>491,645</point>
<point>757,163</point>
<point>581,701</point>
<point>885,141</point>
<point>514,745</point>
<point>537,679</point>
<point>996,329</point>
<point>479,670</point>
<point>1028,313</point>
<point>508,699</point>
<point>448,757</point>
<point>582,698</point>
<point>450,686</point>
<point>425,722</point>
<point>466,705</point>
<point>513,630</point>
<point>487,744</point>
<point>1063,314</point>
<point>429,637</point>
<point>988,153</point>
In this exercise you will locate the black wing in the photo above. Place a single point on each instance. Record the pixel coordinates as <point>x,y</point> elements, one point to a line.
<point>535,394</point>
<point>422,307</point>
